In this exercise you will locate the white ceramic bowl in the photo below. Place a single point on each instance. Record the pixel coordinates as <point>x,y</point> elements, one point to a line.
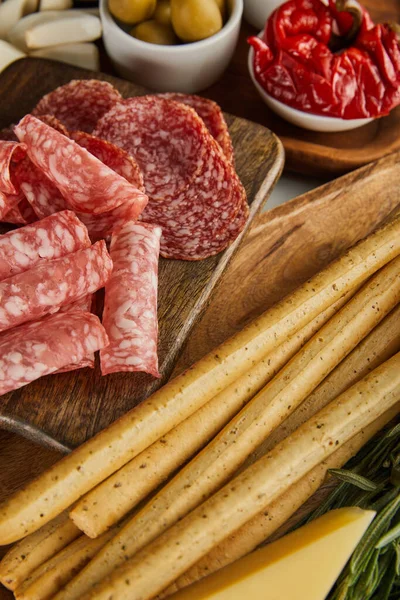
<point>300,118</point>
<point>187,68</point>
<point>256,12</point>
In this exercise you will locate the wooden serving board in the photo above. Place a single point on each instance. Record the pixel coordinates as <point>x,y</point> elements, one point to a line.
<point>318,154</point>
<point>65,410</point>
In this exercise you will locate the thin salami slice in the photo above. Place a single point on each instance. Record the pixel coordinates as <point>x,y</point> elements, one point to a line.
<point>84,305</point>
<point>112,156</point>
<point>130,308</point>
<point>204,245</point>
<point>22,214</point>
<point>53,122</point>
<point>166,138</point>
<point>80,103</point>
<point>41,193</point>
<point>195,222</point>
<point>49,285</point>
<point>213,117</point>
<point>43,347</point>
<point>102,226</point>
<point>45,240</point>
<point>9,152</point>
<point>86,183</point>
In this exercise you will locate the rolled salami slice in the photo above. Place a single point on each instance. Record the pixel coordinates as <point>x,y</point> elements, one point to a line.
<point>213,117</point>
<point>43,347</point>
<point>80,103</point>
<point>41,193</point>
<point>49,285</point>
<point>45,240</point>
<point>130,307</point>
<point>86,183</point>
<point>84,305</point>
<point>166,138</point>
<point>9,152</point>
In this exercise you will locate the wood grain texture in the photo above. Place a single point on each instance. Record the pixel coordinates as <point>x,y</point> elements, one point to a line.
<point>317,154</point>
<point>69,408</point>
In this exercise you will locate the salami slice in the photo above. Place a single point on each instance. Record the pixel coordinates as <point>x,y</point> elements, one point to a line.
<point>50,285</point>
<point>52,121</point>
<point>212,116</point>
<point>45,240</point>
<point>84,305</point>
<point>166,138</point>
<point>112,156</point>
<point>196,221</point>
<point>80,103</point>
<point>9,152</point>
<point>41,193</point>
<point>43,347</point>
<point>8,202</point>
<point>204,246</point>
<point>22,214</point>
<point>86,184</point>
<point>130,308</point>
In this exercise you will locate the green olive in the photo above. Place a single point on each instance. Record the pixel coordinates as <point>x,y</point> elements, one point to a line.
<point>155,33</point>
<point>132,11</point>
<point>195,20</point>
<point>163,12</point>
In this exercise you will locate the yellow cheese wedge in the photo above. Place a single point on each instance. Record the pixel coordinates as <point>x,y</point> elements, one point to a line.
<point>302,565</point>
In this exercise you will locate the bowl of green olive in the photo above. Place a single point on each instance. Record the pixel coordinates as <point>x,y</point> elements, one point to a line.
<point>171,45</point>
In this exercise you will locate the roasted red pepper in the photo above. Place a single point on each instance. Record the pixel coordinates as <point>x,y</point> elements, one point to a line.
<point>329,60</point>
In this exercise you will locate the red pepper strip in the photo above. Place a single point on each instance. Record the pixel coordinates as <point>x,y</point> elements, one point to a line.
<point>296,17</point>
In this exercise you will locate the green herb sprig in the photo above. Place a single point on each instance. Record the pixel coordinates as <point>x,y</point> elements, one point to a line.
<point>371,480</point>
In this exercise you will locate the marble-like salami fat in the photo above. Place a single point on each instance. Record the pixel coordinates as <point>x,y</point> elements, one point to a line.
<point>9,152</point>
<point>49,285</point>
<point>166,138</point>
<point>80,103</point>
<point>86,183</point>
<point>213,118</point>
<point>83,305</point>
<point>43,347</point>
<point>130,307</point>
<point>51,238</point>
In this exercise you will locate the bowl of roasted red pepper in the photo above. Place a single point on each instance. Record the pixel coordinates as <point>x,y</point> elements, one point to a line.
<point>326,66</point>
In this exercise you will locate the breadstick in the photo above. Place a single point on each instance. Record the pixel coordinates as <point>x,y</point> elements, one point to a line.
<point>65,482</point>
<point>52,575</point>
<point>160,563</point>
<point>381,343</point>
<point>378,346</point>
<point>117,495</point>
<point>27,555</point>
<point>210,469</point>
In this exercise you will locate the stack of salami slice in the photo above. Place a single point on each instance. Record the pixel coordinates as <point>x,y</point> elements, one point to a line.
<point>149,175</point>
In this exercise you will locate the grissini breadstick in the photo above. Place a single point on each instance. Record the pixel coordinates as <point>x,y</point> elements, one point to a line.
<point>53,574</point>
<point>32,551</point>
<point>170,555</point>
<point>378,346</point>
<point>381,344</point>
<point>218,461</point>
<point>117,495</point>
<point>60,486</point>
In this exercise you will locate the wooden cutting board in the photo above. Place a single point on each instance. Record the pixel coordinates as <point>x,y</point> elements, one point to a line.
<point>318,154</point>
<point>64,410</point>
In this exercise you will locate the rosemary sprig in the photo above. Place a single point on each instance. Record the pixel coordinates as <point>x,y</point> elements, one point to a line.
<point>371,480</point>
